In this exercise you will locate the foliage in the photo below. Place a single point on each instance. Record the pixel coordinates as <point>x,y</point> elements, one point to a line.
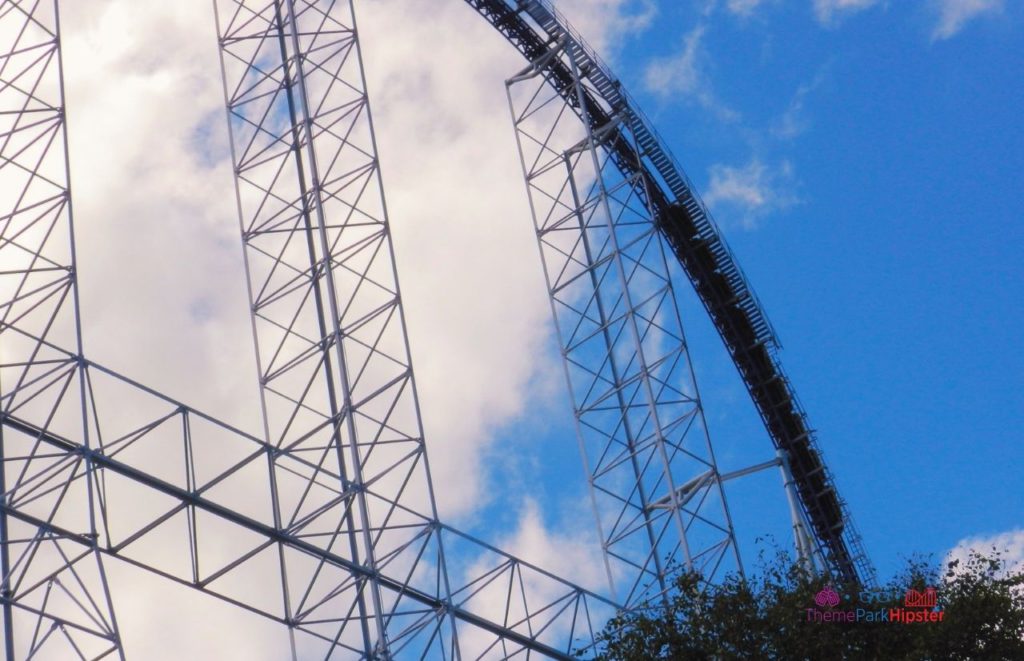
<point>772,616</point>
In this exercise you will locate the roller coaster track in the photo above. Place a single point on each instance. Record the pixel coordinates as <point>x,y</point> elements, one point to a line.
<point>534,27</point>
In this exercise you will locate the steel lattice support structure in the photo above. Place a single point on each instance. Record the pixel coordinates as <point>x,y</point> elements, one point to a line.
<point>54,591</point>
<point>592,93</point>
<point>654,483</point>
<point>334,365</point>
<point>325,523</point>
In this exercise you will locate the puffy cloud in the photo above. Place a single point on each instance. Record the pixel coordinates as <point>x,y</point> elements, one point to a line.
<point>744,8</point>
<point>751,191</point>
<point>793,121</point>
<point>468,262</point>
<point>569,550</point>
<point>153,193</point>
<point>161,279</point>
<point>566,546</point>
<point>683,74</point>
<point>953,15</point>
<point>1010,544</point>
<point>830,12</point>
<point>605,24</point>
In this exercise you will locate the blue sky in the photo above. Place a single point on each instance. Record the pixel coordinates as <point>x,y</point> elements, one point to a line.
<point>866,166</point>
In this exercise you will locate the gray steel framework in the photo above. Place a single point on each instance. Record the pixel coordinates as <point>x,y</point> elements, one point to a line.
<point>654,483</point>
<point>331,514</point>
<point>326,523</point>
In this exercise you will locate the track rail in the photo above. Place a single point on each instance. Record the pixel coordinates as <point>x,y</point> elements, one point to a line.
<point>534,27</point>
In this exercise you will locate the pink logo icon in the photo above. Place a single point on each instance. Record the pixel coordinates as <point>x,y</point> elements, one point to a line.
<point>827,597</point>
<point>926,599</point>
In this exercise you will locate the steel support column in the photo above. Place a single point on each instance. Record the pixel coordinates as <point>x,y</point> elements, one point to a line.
<point>54,594</point>
<point>639,419</point>
<point>332,353</point>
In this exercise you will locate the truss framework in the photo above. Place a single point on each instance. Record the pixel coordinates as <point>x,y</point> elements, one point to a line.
<point>54,591</point>
<point>185,496</point>
<point>326,522</point>
<point>533,26</point>
<point>654,483</point>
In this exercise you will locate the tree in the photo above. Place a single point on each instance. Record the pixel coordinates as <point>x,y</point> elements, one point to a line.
<point>978,614</point>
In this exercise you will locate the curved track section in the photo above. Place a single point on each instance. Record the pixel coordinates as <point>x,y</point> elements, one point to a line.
<point>534,27</point>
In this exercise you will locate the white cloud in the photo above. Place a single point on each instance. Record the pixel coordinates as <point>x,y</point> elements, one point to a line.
<point>566,547</point>
<point>161,279</point>
<point>604,24</point>
<point>829,12</point>
<point>153,192</point>
<point>750,191</point>
<point>153,614</point>
<point>683,74</point>
<point>744,8</point>
<point>953,15</point>
<point>467,256</point>
<point>1010,544</point>
<point>793,121</point>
